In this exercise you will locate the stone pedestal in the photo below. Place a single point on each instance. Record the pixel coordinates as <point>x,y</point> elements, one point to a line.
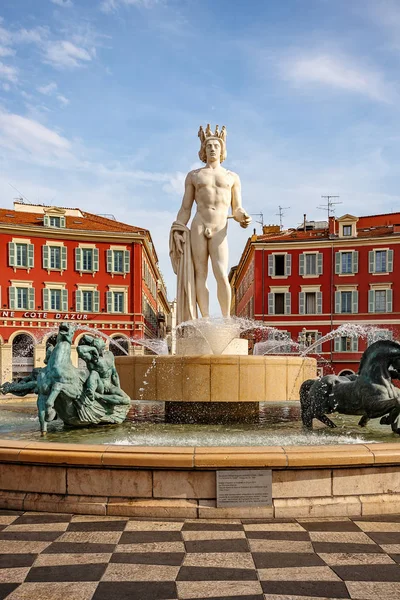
<point>200,346</point>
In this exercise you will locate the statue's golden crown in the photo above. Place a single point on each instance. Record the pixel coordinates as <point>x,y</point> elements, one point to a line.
<point>203,135</point>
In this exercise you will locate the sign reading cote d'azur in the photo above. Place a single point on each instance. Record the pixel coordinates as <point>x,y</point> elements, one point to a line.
<point>11,314</point>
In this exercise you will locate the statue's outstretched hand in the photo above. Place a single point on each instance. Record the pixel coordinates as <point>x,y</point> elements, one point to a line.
<point>241,216</point>
<point>179,241</point>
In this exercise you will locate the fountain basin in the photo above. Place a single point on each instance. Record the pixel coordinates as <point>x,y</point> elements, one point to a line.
<point>180,482</point>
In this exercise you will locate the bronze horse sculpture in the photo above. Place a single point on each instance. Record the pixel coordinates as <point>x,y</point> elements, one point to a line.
<point>370,394</point>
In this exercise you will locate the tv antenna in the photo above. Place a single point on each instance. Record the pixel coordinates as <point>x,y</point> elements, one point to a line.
<point>329,206</point>
<point>261,218</point>
<point>21,197</point>
<point>281,214</point>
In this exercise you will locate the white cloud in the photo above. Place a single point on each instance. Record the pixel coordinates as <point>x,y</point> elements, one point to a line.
<point>64,54</point>
<point>8,73</point>
<point>6,87</point>
<point>37,35</point>
<point>62,100</point>
<point>338,73</point>
<point>48,89</point>
<point>108,6</point>
<point>6,51</point>
<point>63,3</point>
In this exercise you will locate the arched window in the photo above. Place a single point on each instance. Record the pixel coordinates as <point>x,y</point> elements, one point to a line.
<point>22,355</point>
<point>119,346</point>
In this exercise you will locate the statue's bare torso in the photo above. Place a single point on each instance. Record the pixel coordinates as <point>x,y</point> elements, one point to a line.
<point>213,196</point>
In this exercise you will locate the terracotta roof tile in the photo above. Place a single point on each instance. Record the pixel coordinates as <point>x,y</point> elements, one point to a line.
<point>89,222</point>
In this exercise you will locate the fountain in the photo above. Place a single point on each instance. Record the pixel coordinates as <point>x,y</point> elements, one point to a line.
<point>168,469</point>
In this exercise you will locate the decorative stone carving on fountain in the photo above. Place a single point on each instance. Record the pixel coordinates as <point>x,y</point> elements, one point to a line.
<point>77,397</point>
<point>370,394</point>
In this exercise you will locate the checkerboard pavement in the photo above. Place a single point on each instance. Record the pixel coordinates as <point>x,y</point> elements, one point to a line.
<point>50,556</point>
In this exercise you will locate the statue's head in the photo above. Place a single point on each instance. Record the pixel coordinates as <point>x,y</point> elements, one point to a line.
<point>213,144</point>
<point>99,344</point>
<point>65,332</point>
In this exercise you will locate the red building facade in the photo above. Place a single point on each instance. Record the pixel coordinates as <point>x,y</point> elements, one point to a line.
<point>66,264</point>
<point>309,281</point>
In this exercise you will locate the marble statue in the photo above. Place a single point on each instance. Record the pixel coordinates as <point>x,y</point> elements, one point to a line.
<point>78,397</point>
<point>370,393</point>
<point>215,190</point>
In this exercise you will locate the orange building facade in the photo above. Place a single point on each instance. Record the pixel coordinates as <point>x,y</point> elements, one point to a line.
<point>61,264</point>
<point>307,282</point>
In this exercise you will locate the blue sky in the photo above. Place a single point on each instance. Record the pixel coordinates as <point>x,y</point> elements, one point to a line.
<point>101,100</point>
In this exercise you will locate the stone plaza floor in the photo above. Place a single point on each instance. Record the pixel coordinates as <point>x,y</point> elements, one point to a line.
<point>48,556</point>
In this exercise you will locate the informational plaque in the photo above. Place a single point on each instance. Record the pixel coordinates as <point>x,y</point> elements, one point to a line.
<point>244,488</point>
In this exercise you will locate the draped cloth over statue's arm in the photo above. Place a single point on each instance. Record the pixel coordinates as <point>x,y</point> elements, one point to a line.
<point>182,264</point>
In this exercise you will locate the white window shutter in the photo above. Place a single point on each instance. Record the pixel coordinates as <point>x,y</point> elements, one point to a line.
<point>337,263</point>
<point>288,303</point>
<point>318,349</point>
<point>46,257</point>
<point>96,301</point>
<point>95,259</point>
<point>389,300</point>
<point>270,265</point>
<point>31,256</point>
<point>288,264</point>
<point>78,300</point>
<point>78,259</point>
<point>63,258</point>
<point>31,298</point>
<point>390,261</point>
<point>127,261</point>
<point>301,264</point>
<point>320,258</point>
<point>354,302</point>
<point>319,303</point>
<point>46,299</point>
<point>64,300</point>
<point>46,221</point>
<point>355,262</point>
<point>302,303</point>
<point>62,221</point>
<point>271,303</point>
<point>338,304</point>
<point>354,343</point>
<point>337,344</point>
<point>12,252</point>
<point>12,293</point>
<point>371,261</point>
<point>109,261</point>
<point>109,301</point>
<point>371,301</point>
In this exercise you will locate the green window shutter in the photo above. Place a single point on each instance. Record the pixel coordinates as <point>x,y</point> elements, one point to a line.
<point>63,258</point>
<point>271,303</point>
<point>64,300</point>
<point>46,221</point>
<point>270,265</point>
<point>302,303</point>
<point>319,303</point>
<point>337,263</point>
<point>337,343</point>
<point>301,264</point>
<point>109,302</point>
<point>371,261</point>
<point>46,299</point>
<point>371,301</point>
<point>390,261</point>
<point>109,261</point>
<point>320,258</point>
<point>96,301</point>
<point>62,221</point>
<point>288,303</point>
<point>31,298</point>
<point>12,292</point>
<point>31,254</point>
<point>338,304</point>
<point>78,300</point>
<point>46,263</point>
<point>78,259</point>
<point>95,259</point>
<point>389,300</point>
<point>12,253</point>
<point>288,264</point>
<point>318,349</point>
<point>127,261</point>
<point>354,343</point>
<point>354,302</point>
<point>355,262</point>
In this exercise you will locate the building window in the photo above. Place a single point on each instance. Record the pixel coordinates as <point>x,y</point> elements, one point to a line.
<point>55,299</point>
<point>379,334</point>
<point>346,344</point>
<point>22,297</point>
<point>55,257</point>
<point>279,303</point>
<point>347,230</point>
<point>306,339</point>
<point>20,255</point>
<point>118,261</point>
<point>311,264</point>
<point>118,302</point>
<point>21,258</point>
<point>380,261</point>
<point>380,301</point>
<point>346,301</point>
<point>310,302</point>
<point>279,265</point>
<point>87,301</point>
<point>87,259</point>
<point>55,221</point>
<point>346,262</point>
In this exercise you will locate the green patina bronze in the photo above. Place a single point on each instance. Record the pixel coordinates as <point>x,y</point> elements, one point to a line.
<point>78,397</point>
